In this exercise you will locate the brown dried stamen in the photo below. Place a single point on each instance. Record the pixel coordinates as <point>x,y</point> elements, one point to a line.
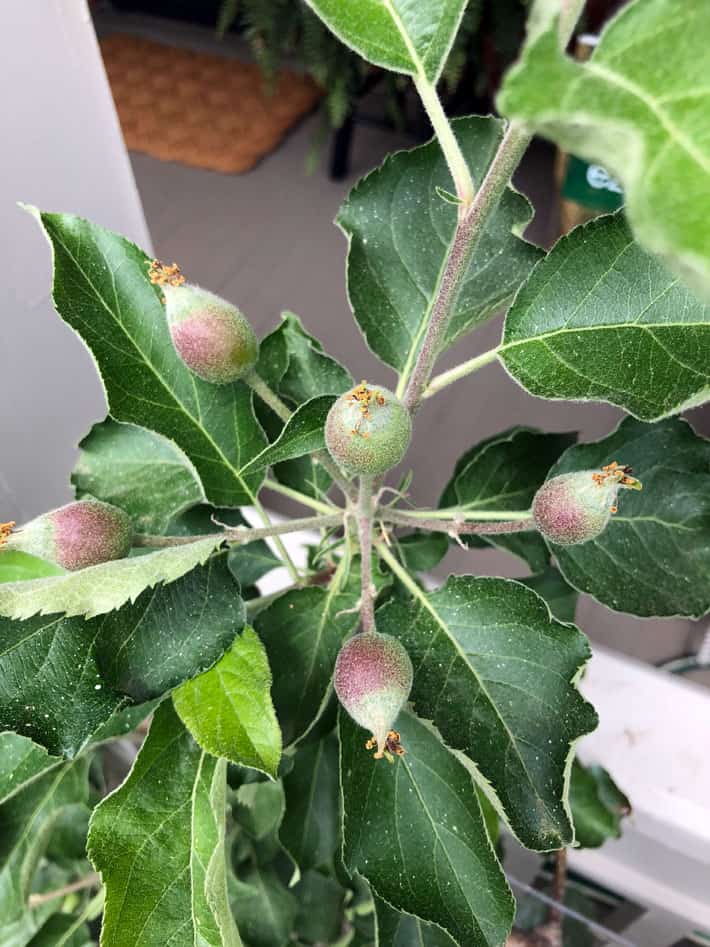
<point>5,530</point>
<point>365,396</point>
<point>164,274</point>
<point>621,474</point>
<point>392,747</point>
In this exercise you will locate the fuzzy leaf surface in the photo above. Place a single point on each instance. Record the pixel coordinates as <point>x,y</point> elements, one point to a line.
<point>137,470</point>
<point>648,126</point>
<point>228,709</point>
<point>400,231</point>
<point>600,319</point>
<point>101,289</point>
<point>504,472</point>
<point>158,842</point>
<point>50,687</point>
<point>100,589</point>
<point>311,826</point>
<point>401,35</point>
<point>303,632</point>
<point>301,434</point>
<point>170,633</point>
<point>598,805</point>
<point>416,832</point>
<point>496,674</point>
<point>654,556</point>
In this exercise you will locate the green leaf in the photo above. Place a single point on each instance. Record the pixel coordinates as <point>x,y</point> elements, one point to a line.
<point>320,916</point>
<point>293,363</point>
<point>416,832</point>
<point>420,552</point>
<point>137,470</point>
<point>600,319</point>
<point>653,559</point>
<point>561,598</point>
<point>259,808</point>
<point>497,675</point>
<point>21,762</point>
<point>251,562</point>
<point>26,821</point>
<point>648,126</point>
<point>170,633</point>
<point>228,709</point>
<point>598,805</point>
<point>395,929</point>
<point>62,930</point>
<point>400,232</point>
<point>301,434</point>
<point>311,826</point>
<point>302,632</point>
<point>265,909</point>
<point>50,687</point>
<point>411,38</point>
<point>102,588</point>
<point>101,289</point>
<point>504,472</point>
<point>158,842</point>
<point>18,566</point>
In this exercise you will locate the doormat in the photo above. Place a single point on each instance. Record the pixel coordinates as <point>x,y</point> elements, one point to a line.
<point>202,110</point>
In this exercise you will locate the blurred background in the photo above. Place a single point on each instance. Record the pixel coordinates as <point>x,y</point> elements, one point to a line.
<point>225,135</point>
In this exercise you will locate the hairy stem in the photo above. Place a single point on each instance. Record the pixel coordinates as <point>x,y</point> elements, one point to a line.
<point>472,222</point>
<point>459,515</point>
<point>269,397</point>
<point>463,182</point>
<point>279,407</point>
<point>318,505</point>
<point>559,885</point>
<point>460,371</point>
<point>456,527</point>
<point>466,237</point>
<point>90,881</point>
<point>364,529</point>
<point>244,534</point>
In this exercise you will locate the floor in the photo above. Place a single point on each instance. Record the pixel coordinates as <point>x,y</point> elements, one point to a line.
<point>266,241</point>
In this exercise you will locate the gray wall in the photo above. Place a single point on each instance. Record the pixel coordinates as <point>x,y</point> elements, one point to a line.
<point>62,150</point>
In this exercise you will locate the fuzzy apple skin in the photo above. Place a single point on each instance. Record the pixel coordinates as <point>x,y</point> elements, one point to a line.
<point>574,508</point>
<point>210,335</point>
<point>373,678</point>
<point>80,534</point>
<point>368,430</point>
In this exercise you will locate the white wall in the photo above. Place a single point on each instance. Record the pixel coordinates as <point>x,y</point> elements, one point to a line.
<point>61,149</point>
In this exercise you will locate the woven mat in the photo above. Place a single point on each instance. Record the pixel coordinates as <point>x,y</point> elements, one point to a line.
<point>202,110</point>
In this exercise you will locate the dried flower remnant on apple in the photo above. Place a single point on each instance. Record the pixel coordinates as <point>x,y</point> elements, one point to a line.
<point>81,534</point>
<point>373,679</point>
<point>368,430</point>
<point>574,508</point>
<point>5,531</point>
<point>210,335</point>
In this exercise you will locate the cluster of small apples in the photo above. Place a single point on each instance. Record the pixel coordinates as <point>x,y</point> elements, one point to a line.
<point>367,433</point>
